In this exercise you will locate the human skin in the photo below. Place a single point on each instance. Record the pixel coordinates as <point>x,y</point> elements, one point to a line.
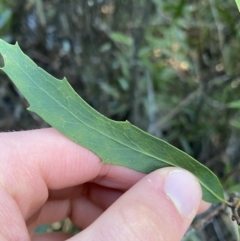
<point>45,177</point>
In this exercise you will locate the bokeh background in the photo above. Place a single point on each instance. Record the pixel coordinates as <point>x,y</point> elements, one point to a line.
<point>170,67</point>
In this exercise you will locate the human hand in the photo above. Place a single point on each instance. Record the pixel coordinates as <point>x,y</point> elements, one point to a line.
<point>45,177</point>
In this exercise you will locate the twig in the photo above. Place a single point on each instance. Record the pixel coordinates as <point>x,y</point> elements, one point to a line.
<point>237,170</point>
<point>218,25</point>
<point>234,204</point>
<point>151,106</point>
<point>213,85</point>
<point>188,100</point>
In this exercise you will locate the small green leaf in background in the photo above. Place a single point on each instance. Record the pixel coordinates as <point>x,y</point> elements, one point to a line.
<point>121,38</point>
<point>238,4</point>
<point>118,143</point>
<point>235,123</point>
<point>5,17</point>
<point>234,104</point>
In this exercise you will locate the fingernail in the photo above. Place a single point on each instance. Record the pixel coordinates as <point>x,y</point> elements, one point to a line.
<point>184,191</point>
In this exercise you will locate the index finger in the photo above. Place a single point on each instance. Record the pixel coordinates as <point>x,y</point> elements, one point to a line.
<point>60,162</point>
<point>38,160</point>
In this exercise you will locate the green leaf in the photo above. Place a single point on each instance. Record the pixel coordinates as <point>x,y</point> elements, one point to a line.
<point>121,38</point>
<point>235,123</point>
<point>234,104</point>
<point>238,4</point>
<point>118,143</point>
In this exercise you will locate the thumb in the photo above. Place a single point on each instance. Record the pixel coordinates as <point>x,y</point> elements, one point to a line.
<point>160,206</point>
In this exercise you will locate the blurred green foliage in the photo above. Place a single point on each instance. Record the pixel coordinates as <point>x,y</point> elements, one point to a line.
<point>238,4</point>
<point>5,20</point>
<point>236,121</point>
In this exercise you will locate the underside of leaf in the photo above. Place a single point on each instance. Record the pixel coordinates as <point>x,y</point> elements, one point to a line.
<point>118,143</point>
